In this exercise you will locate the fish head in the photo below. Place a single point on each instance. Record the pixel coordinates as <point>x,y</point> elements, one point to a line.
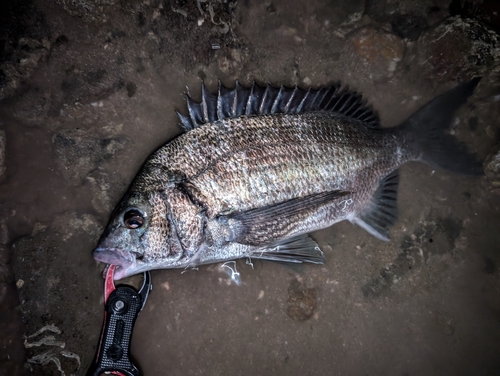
<point>139,236</point>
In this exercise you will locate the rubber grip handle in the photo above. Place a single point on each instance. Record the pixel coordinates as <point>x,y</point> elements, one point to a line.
<point>122,308</point>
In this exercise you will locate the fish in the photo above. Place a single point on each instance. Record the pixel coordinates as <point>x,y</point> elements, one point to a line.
<point>258,168</point>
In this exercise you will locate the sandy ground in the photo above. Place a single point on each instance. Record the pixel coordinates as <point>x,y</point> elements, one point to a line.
<point>88,91</point>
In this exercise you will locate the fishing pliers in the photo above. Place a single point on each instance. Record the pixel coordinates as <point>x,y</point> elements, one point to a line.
<point>122,305</point>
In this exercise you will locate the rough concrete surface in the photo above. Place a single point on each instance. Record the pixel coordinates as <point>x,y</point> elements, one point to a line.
<point>88,90</point>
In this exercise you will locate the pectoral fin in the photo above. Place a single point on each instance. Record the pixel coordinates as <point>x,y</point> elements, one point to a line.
<point>262,226</point>
<point>298,250</point>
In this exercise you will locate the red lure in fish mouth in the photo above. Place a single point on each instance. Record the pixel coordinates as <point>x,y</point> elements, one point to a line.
<point>122,259</point>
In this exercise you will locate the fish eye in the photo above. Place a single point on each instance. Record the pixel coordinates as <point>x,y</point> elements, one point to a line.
<point>133,219</point>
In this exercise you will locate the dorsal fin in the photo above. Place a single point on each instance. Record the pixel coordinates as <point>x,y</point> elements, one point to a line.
<point>259,100</point>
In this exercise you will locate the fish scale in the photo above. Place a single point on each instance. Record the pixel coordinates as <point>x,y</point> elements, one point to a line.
<point>236,182</point>
<point>259,168</point>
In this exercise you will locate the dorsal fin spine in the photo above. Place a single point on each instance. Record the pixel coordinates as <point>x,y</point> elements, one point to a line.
<point>312,106</point>
<point>235,99</point>
<point>186,123</point>
<point>345,102</point>
<point>364,113</point>
<point>359,108</point>
<point>370,118</point>
<point>354,103</point>
<point>204,105</point>
<point>334,95</point>
<point>322,97</point>
<point>339,101</point>
<point>286,109</point>
<point>263,100</point>
<point>250,99</point>
<point>192,109</point>
<point>301,105</point>
<point>219,101</point>
<point>354,99</point>
<point>274,108</point>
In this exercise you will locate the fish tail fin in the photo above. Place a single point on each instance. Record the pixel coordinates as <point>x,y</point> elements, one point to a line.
<point>433,145</point>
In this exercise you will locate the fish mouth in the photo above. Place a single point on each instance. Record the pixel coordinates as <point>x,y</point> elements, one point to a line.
<point>125,261</point>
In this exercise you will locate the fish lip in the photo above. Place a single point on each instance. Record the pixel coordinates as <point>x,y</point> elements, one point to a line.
<point>122,272</point>
<point>124,260</point>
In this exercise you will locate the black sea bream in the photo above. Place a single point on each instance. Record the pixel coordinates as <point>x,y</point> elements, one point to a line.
<point>259,168</point>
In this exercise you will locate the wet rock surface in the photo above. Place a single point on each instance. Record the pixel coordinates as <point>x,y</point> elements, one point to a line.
<point>375,48</point>
<point>459,47</point>
<point>25,42</point>
<point>47,282</point>
<point>88,90</point>
<point>492,169</point>
<point>301,301</point>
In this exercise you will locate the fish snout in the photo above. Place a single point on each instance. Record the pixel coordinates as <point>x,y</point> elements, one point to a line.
<point>124,260</point>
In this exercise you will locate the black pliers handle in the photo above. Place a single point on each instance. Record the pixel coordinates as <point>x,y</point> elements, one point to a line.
<point>122,306</point>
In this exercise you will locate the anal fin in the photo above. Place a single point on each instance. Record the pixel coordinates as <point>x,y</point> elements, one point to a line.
<point>298,250</point>
<point>382,212</point>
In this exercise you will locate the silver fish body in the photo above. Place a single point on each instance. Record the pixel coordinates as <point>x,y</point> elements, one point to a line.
<point>247,181</point>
